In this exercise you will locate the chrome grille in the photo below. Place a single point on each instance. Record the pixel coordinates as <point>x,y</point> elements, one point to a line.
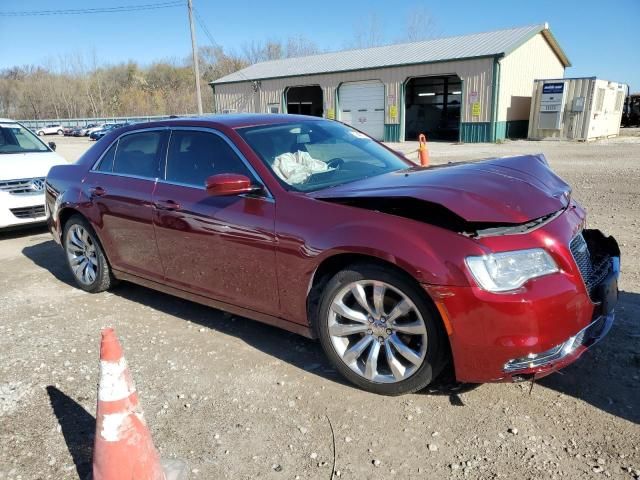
<point>35,211</point>
<point>593,272</point>
<point>25,186</point>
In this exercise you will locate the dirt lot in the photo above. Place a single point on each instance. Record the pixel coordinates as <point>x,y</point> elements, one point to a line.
<point>237,399</point>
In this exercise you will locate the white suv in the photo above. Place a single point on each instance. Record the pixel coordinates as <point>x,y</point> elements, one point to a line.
<point>24,163</point>
<point>50,130</point>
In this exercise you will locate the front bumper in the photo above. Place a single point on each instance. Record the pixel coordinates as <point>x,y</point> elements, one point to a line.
<point>536,365</point>
<point>17,210</point>
<point>535,331</point>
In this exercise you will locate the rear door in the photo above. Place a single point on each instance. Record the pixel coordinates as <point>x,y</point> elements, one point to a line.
<point>219,247</point>
<point>120,189</point>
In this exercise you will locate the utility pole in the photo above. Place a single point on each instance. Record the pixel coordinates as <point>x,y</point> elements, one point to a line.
<point>194,49</point>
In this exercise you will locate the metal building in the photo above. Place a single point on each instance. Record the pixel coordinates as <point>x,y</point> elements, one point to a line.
<point>576,109</point>
<point>470,88</point>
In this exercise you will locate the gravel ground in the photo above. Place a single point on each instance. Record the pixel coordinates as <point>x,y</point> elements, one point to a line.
<point>237,399</point>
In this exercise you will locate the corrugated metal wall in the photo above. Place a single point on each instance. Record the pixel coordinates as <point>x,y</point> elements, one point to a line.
<point>605,121</point>
<point>594,121</point>
<point>476,75</point>
<point>535,59</point>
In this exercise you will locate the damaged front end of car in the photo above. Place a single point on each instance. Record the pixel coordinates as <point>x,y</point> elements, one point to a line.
<point>440,216</point>
<point>597,258</point>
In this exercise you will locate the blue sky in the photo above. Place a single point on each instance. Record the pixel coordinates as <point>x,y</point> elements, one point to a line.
<point>600,39</point>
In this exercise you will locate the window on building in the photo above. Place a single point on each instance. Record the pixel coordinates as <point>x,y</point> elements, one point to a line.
<point>138,154</point>
<point>194,155</point>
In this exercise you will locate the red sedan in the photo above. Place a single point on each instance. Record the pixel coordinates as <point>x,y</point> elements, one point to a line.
<point>307,224</point>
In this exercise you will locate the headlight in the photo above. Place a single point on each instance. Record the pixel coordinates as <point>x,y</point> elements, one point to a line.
<point>501,272</point>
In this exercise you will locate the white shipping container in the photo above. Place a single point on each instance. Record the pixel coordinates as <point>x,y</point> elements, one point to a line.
<point>576,109</point>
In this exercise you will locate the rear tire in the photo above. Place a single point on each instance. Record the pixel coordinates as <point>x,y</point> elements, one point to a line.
<point>85,256</point>
<point>380,330</point>
<point>40,133</point>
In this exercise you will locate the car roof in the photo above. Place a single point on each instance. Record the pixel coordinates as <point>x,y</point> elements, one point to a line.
<point>236,120</point>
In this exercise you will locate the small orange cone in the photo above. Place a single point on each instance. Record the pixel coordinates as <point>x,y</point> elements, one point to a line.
<point>423,153</point>
<point>123,448</point>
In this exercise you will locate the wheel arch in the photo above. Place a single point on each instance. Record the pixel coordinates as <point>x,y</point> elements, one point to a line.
<point>335,263</point>
<point>339,261</point>
<point>63,217</point>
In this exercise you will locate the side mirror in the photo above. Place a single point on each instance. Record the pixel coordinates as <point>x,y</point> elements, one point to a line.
<point>52,146</point>
<point>226,184</point>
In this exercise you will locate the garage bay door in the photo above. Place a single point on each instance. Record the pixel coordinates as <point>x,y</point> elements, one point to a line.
<point>362,106</point>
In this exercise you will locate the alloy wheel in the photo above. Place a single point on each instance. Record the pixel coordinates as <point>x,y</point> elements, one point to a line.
<point>81,252</point>
<point>377,331</point>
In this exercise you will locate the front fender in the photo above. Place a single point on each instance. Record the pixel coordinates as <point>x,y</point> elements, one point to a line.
<point>431,255</point>
<point>428,255</point>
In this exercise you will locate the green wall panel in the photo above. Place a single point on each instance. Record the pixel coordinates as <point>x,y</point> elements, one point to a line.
<point>475,132</point>
<point>512,129</point>
<point>391,132</point>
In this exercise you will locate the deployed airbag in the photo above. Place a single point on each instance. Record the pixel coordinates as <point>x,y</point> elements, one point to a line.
<point>296,168</point>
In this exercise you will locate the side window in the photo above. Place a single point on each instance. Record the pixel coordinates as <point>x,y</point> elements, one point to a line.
<point>193,156</point>
<point>138,154</point>
<point>106,163</point>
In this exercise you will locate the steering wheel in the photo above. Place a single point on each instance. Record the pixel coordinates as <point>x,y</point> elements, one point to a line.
<point>335,163</point>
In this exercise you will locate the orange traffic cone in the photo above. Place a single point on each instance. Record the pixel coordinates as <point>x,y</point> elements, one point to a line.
<point>423,153</point>
<point>123,448</point>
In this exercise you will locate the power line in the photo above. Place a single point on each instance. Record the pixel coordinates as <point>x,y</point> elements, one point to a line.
<point>204,28</point>
<point>87,11</point>
<point>214,44</point>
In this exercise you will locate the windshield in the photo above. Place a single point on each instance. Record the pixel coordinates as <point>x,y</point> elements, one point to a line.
<point>308,156</point>
<point>14,138</point>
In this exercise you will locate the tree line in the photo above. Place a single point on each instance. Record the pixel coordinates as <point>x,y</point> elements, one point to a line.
<point>77,86</point>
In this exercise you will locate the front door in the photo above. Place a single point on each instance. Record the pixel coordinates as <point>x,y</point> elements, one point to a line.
<point>120,190</point>
<point>219,247</point>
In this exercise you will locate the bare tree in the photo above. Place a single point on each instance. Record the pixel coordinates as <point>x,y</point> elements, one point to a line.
<point>420,25</point>
<point>273,49</point>
<point>300,46</point>
<point>368,32</point>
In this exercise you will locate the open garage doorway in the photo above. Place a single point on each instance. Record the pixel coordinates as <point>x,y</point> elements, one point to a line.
<point>305,100</point>
<point>432,107</point>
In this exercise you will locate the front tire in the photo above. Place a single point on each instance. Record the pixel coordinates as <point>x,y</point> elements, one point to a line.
<point>40,133</point>
<point>85,257</point>
<point>380,330</point>
<point>60,132</point>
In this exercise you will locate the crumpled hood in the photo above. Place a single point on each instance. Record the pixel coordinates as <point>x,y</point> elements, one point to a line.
<point>509,190</point>
<point>17,166</point>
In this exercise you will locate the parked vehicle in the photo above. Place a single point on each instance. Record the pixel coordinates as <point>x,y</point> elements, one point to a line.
<point>98,134</point>
<point>631,111</point>
<point>24,163</point>
<point>402,272</point>
<point>94,129</point>
<point>53,129</point>
<point>86,130</point>
<point>68,131</point>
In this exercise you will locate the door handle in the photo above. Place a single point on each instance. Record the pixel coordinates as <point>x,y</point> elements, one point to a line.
<point>97,191</point>
<point>166,205</point>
